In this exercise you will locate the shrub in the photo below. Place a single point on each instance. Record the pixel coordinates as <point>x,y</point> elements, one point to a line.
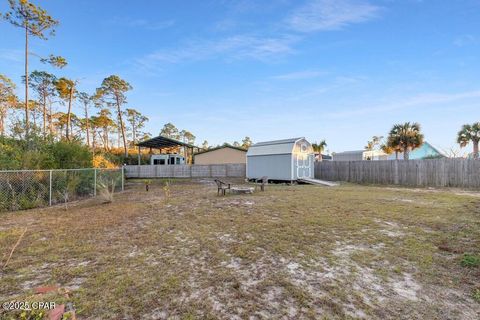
<point>100,161</point>
<point>38,153</point>
<point>166,191</point>
<point>470,260</point>
<point>70,155</point>
<point>105,192</point>
<point>476,294</point>
<point>119,159</point>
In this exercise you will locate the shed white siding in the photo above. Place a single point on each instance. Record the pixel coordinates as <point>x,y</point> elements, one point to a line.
<point>288,160</point>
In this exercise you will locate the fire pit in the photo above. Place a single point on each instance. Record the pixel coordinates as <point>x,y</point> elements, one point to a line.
<point>240,190</point>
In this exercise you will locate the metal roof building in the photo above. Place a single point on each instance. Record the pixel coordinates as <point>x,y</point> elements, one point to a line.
<point>221,155</point>
<point>287,160</point>
<point>165,144</point>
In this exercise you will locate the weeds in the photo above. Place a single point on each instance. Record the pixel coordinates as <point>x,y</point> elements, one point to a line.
<point>147,184</point>
<point>14,247</point>
<point>71,184</point>
<point>105,192</point>
<point>476,295</point>
<point>166,191</point>
<point>470,260</point>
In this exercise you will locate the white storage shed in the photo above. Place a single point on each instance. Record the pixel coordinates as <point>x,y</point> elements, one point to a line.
<point>285,160</point>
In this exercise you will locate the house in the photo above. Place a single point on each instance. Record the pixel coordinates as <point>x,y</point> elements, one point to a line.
<point>283,160</point>
<point>322,157</point>
<point>359,155</point>
<point>221,155</point>
<point>424,152</point>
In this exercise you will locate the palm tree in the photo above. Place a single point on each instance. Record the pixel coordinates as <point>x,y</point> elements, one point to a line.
<point>319,147</point>
<point>373,143</point>
<point>385,147</point>
<point>470,133</point>
<point>405,138</point>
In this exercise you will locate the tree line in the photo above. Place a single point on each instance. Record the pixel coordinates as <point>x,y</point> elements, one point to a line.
<point>56,109</point>
<point>50,92</point>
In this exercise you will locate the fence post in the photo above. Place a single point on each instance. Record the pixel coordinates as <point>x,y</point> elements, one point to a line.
<point>95,182</point>
<point>349,165</point>
<point>395,172</point>
<point>123,179</point>
<point>50,190</point>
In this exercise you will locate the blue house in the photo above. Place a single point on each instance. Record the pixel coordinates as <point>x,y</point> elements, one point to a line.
<point>425,151</point>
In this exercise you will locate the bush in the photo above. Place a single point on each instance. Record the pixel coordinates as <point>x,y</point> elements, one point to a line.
<point>70,155</point>
<point>119,158</point>
<point>470,260</point>
<point>476,294</point>
<point>38,153</point>
<point>100,161</point>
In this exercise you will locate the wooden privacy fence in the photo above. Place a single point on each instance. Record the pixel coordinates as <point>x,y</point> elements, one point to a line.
<point>463,173</point>
<point>234,170</point>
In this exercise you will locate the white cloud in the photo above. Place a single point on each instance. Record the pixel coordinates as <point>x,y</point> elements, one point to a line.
<point>465,40</point>
<point>321,15</point>
<point>13,55</point>
<point>298,75</point>
<point>234,47</point>
<point>141,23</point>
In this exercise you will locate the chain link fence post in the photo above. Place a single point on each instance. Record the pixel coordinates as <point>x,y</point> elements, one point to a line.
<point>123,178</point>
<point>50,189</point>
<point>95,182</point>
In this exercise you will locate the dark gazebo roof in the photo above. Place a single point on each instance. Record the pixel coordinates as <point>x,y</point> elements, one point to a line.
<point>161,142</point>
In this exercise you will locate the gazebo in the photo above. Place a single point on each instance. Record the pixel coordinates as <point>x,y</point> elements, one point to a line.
<point>162,143</point>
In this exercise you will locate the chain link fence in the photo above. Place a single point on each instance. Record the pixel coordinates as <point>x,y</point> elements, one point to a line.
<point>26,189</point>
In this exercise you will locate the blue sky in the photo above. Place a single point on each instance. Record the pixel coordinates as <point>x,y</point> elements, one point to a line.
<point>340,70</point>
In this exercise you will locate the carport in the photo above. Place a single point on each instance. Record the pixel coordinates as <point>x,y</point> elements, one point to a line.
<point>164,144</point>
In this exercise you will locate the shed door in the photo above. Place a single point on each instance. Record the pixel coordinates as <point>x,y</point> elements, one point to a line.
<point>303,166</point>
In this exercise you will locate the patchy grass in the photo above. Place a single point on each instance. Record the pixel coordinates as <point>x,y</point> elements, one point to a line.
<point>470,260</point>
<point>290,252</point>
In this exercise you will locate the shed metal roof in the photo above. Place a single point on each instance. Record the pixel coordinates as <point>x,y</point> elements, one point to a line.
<point>284,146</point>
<point>291,140</point>
<point>163,142</point>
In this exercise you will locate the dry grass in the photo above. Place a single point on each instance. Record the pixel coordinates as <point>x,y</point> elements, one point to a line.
<point>290,252</point>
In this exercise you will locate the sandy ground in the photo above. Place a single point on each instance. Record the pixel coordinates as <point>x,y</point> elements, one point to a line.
<point>292,252</point>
